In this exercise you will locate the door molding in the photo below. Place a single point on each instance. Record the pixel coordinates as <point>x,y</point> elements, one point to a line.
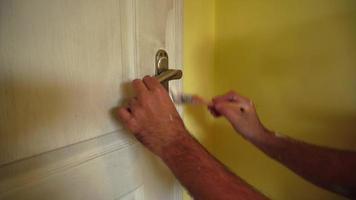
<point>20,174</point>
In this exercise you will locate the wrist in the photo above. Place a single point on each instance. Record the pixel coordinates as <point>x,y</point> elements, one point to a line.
<point>266,139</point>
<point>177,147</point>
<point>259,135</point>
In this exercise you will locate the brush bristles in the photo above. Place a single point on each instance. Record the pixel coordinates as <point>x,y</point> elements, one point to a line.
<point>180,98</point>
<point>183,99</point>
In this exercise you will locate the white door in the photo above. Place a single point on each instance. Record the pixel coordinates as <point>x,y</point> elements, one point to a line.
<point>64,66</point>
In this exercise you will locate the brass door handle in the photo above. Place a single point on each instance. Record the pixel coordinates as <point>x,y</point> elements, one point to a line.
<point>168,75</point>
<point>163,74</point>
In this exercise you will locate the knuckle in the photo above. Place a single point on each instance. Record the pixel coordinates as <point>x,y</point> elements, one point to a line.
<point>147,77</point>
<point>136,80</point>
<point>219,106</point>
<point>122,118</point>
<point>157,90</point>
<point>248,106</point>
<point>252,105</point>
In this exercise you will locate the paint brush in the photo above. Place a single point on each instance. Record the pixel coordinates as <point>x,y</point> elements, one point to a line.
<point>191,99</point>
<point>183,99</point>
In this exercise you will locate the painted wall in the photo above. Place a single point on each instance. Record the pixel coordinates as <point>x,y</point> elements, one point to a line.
<point>199,59</point>
<point>296,59</point>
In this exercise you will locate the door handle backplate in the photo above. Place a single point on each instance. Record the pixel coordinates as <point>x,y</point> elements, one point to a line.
<point>163,73</point>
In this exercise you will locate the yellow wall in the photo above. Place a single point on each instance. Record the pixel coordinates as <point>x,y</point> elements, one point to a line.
<point>296,59</point>
<point>199,36</point>
<point>199,62</point>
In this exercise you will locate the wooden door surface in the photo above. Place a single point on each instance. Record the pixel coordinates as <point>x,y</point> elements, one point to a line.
<point>64,66</point>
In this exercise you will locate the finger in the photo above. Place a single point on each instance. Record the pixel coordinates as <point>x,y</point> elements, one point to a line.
<point>133,106</point>
<point>124,114</point>
<point>224,107</point>
<point>128,120</point>
<point>229,110</point>
<point>213,111</point>
<point>230,96</point>
<point>139,87</point>
<point>152,83</point>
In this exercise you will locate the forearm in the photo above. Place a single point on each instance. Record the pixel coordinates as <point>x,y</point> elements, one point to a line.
<point>328,168</point>
<point>203,176</point>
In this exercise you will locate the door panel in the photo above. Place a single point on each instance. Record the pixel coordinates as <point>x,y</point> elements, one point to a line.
<point>64,65</point>
<point>60,73</point>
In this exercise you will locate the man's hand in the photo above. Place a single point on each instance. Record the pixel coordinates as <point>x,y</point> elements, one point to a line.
<point>153,119</point>
<point>329,168</point>
<point>240,111</point>
<point>151,116</point>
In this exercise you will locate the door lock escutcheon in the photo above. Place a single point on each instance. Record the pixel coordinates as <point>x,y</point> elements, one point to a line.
<point>163,73</point>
